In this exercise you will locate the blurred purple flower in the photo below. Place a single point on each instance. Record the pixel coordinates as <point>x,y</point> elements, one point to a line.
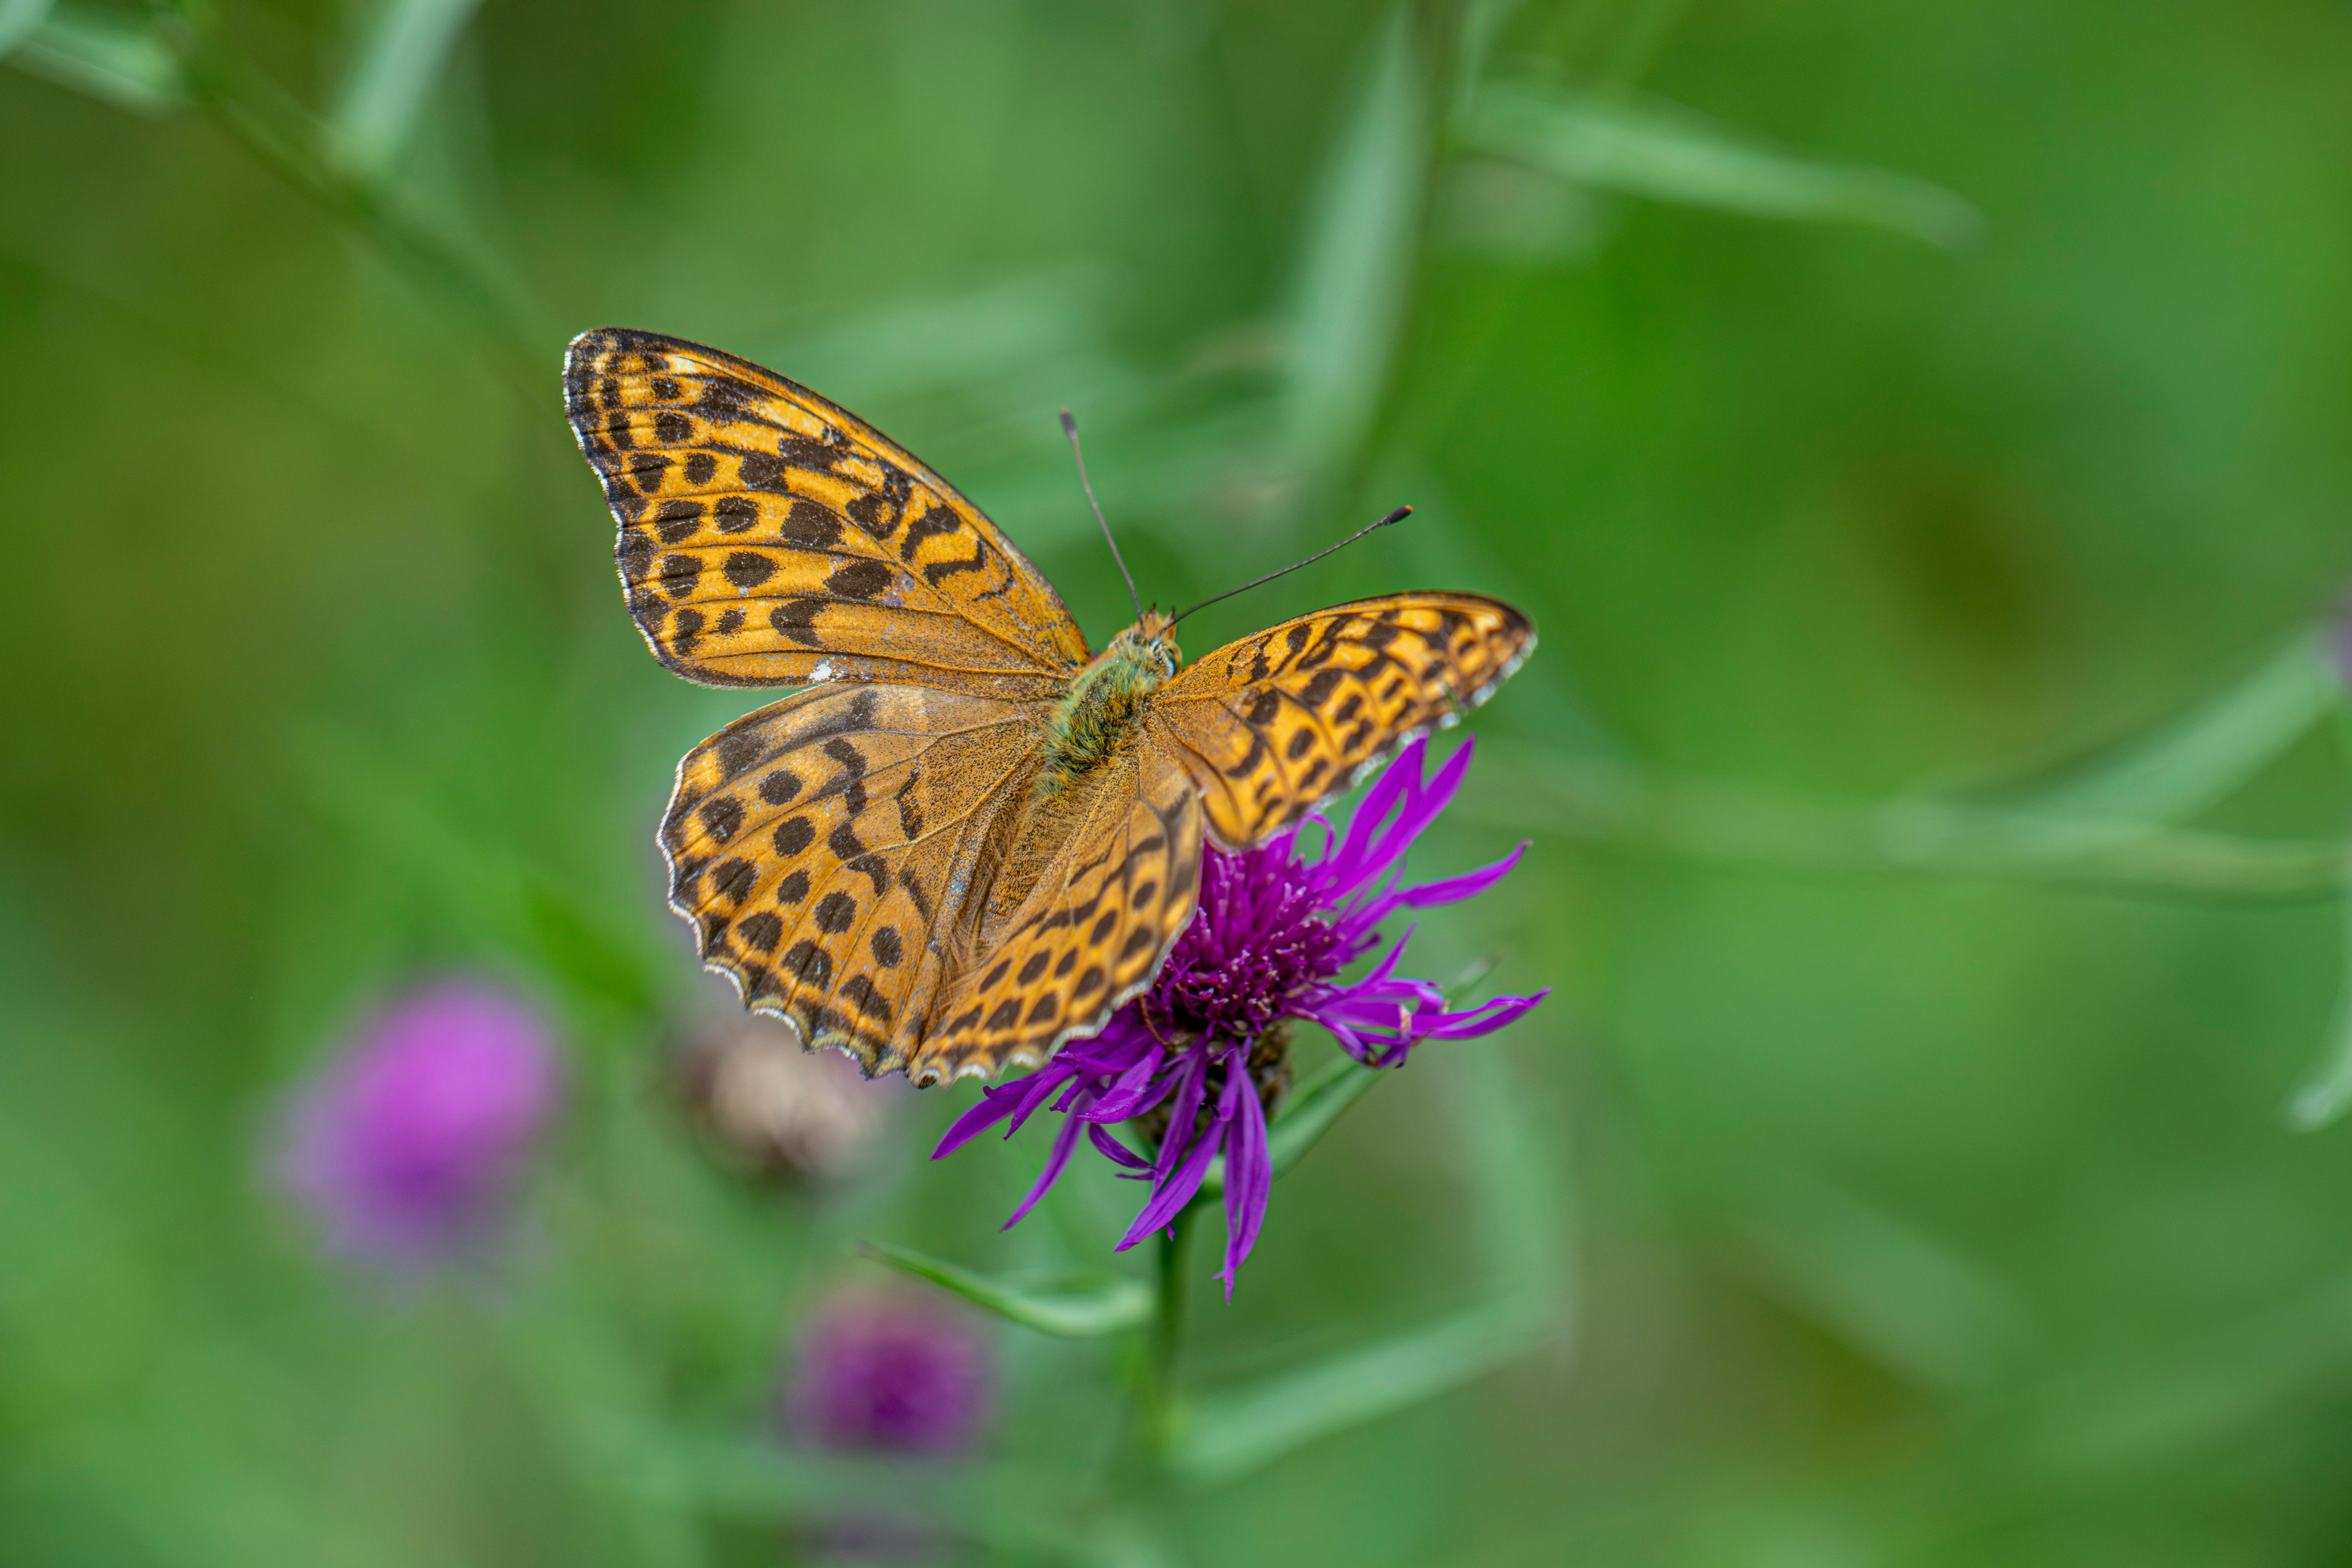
<point>1203,1053</point>
<point>892,1373</point>
<point>407,1145</point>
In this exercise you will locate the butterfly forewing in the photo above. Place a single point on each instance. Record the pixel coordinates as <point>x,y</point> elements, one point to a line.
<point>1274,724</point>
<point>820,843</point>
<point>770,537</point>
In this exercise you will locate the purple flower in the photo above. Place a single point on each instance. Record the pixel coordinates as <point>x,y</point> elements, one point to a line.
<point>890,1373</point>
<point>1198,1058</point>
<point>408,1144</point>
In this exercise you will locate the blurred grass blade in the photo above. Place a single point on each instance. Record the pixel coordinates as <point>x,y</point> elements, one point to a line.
<point>1072,1314</point>
<point>1518,1177</point>
<point>1348,296</point>
<point>1646,148</point>
<point>1899,1297</point>
<point>1564,795</point>
<point>405,46</point>
<point>1514,1188</point>
<point>1231,1436</point>
<point>2326,1092</point>
<point>731,1475</point>
<point>2179,769</point>
<point>1312,1109</point>
<point>1475,37</point>
<point>125,66</point>
<point>17,20</point>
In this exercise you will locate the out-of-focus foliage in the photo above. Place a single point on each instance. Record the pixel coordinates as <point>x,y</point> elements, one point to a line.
<point>1918,432</point>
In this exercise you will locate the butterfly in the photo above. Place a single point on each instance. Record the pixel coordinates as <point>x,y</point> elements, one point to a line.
<point>969,839</point>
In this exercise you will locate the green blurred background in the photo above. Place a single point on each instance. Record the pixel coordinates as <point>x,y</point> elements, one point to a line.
<point>1917,431</point>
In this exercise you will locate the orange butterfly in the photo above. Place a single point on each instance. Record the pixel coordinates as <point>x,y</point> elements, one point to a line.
<point>968,840</point>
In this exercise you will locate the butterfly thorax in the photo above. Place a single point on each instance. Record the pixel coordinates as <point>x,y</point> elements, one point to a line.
<point>1105,706</point>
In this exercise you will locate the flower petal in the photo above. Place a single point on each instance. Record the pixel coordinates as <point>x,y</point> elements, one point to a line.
<point>1168,1199</point>
<point>1125,1097</point>
<point>1249,1171</point>
<point>995,1105</point>
<point>1484,1019</point>
<point>1344,868</point>
<point>1469,884</point>
<point>1191,1075</point>
<point>1065,1141</point>
<point>1113,1151</point>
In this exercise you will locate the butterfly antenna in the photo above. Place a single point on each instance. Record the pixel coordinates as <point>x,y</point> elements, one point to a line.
<point>1070,429</point>
<point>1397,516</point>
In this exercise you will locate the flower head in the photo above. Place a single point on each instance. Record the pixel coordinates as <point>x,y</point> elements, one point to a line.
<point>791,1114</point>
<point>887,1372</point>
<point>407,1145</point>
<point>1199,1059</point>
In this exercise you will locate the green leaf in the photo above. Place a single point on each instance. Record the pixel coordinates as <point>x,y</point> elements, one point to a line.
<point>407,43</point>
<point>127,67</point>
<point>1349,293</point>
<point>1070,1311</point>
<point>1624,142</point>
<point>1230,1435</point>
<point>2179,768</point>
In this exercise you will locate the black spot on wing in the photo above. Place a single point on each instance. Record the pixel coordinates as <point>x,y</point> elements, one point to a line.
<point>809,524</point>
<point>931,525</point>
<point>862,579</point>
<point>860,992</point>
<point>809,963</point>
<point>747,569</point>
<point>794,620</point>
<point>938,572</point>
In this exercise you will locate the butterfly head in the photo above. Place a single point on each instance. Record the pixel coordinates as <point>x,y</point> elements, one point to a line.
<point>1151,645</point>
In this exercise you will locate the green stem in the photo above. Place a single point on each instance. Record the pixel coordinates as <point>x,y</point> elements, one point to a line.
<point>1163,1411</point>
<point>1603,801</point>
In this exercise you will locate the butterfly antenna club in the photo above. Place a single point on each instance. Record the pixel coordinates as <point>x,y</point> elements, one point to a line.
<point>1070,429</point>
<point>1397,516</point>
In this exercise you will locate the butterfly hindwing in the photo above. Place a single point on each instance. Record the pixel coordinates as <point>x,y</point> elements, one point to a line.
<point>819,843</point>
<point>1116,879</point>
<point>770,537</point>
<point>1274,724</point>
